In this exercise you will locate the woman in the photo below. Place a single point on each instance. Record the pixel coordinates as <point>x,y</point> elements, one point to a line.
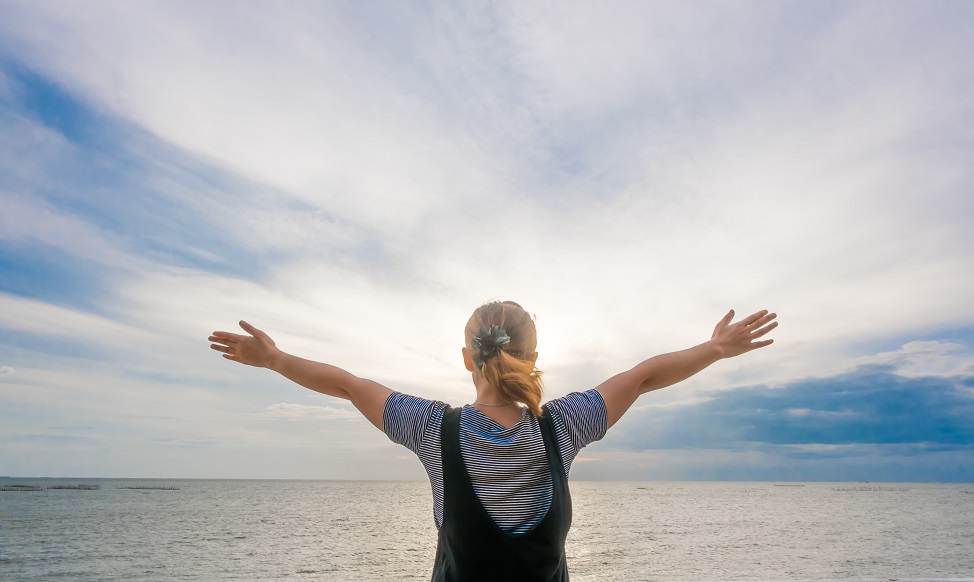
<point>498,467</point>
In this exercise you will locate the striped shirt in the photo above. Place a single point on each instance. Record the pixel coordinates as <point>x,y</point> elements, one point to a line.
<point>507,466</point>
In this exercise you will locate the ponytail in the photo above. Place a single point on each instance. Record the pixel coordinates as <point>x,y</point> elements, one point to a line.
<point>517,380</point>
<point>506,358</point>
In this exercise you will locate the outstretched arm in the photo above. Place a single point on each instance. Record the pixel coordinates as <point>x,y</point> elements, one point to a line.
<point>258,349</point>
<point>728,340</point>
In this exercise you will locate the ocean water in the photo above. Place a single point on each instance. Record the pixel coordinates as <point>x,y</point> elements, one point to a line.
<point>383,531</point>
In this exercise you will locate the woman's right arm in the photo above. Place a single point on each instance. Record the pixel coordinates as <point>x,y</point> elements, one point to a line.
<point>258,349</point>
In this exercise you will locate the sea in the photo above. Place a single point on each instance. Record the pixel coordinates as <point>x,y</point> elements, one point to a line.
<point>170,529</point>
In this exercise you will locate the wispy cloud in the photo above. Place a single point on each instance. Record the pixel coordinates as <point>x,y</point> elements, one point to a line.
<point>356,178</point>
<point>926,358</point>
<point>292,412</point>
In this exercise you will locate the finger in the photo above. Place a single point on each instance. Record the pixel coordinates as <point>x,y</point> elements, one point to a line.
<point>753,346</point>
<point>760,332</point>
<point>750,319</point>
<point>220,348</point>
<point>226,336</point>
<point>727,318</point>
<point>761,322</point>
<point>231,357</point>
<point>724,321</point>
<point>251,329</point>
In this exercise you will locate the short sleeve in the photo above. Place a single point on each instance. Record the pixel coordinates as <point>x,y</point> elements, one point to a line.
<point>583,419</point>
<point>406,419</point>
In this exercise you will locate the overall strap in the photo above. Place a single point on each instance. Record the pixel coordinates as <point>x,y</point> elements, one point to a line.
<point>471,547</point>
<point>450,437</point>
<point>555,463</point>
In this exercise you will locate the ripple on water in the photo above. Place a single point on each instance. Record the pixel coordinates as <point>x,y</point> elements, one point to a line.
<point>378,531</point>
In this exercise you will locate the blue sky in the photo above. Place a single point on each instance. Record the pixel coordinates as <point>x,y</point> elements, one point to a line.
<point>345,174</point>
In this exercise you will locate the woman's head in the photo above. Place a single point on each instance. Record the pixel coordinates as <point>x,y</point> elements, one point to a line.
<point>501,341</point>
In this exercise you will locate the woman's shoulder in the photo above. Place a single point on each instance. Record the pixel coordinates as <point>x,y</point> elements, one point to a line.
<point>408,420</point>
<point>408,401</point>
<point>582,416</point>
<point>588,402</point>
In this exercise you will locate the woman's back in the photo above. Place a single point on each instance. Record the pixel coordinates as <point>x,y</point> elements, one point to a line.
<point>507,465</point>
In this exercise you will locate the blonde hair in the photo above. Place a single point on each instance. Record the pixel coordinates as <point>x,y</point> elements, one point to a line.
<point>511,368</point>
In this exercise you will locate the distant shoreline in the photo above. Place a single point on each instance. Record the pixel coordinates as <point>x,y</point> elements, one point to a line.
<point>776,483</point>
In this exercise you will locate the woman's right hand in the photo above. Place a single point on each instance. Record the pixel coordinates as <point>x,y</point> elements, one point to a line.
<point>256,349</point>
<point>734,339</point>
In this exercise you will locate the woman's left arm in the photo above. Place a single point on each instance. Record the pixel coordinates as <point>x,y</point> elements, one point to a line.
<point>728,340</point>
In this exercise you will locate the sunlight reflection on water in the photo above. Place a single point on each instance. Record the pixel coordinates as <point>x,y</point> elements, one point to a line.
<point>377,531</point>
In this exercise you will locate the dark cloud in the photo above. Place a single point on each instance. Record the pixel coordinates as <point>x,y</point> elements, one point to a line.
<point>868,425</point>
<point>870,406</point>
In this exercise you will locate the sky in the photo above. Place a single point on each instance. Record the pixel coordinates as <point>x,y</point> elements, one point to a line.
<point>355,178</point>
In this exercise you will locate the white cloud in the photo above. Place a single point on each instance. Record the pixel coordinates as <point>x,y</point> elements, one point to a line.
<point>25,220</point>
<point>45,319</point>
<point>829,448</point>
<point>831,414</point>
<point>7,370</point>
<point>626,171</point>
<point>292,412</point>
<point>323,119</point>
<point>794,178</point>
<point>926,358</point>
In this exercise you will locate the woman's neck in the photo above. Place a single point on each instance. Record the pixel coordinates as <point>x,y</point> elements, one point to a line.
<point>489,396</point>
<point>492,404</point>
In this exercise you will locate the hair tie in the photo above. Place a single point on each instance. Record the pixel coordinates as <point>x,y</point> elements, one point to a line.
<point>488,341</point>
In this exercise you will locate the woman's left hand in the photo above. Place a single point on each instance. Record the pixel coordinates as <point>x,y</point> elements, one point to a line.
<point>254,349</point>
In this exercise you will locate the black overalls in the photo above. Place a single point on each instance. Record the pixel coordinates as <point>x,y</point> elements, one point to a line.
<point>472,548</point>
